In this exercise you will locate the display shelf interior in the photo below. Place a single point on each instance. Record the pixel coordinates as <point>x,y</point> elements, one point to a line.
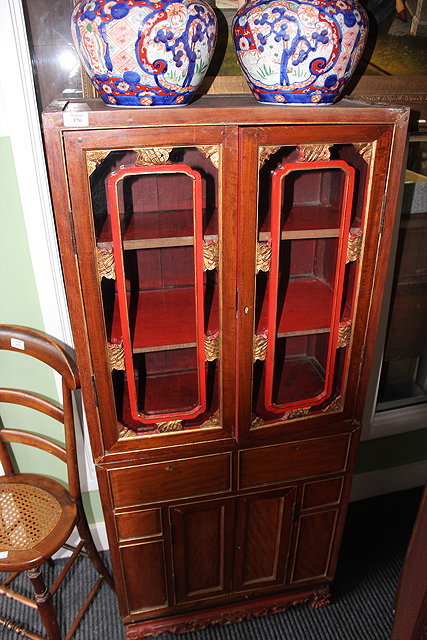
<point>301,378</point>
<point>157,229</point>
<point>164,319</point>
<point>307,308</point>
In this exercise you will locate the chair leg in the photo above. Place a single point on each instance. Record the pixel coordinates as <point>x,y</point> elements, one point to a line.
<point>92,551</point>
<point>44,603</point>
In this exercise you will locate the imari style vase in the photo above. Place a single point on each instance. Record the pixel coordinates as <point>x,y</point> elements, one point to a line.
<point>299,52</point>
<point>145,53</point>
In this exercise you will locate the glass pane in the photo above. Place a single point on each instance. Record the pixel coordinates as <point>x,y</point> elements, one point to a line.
<point>157,224</point>
<point>304,289</point>
<point>403,378</point>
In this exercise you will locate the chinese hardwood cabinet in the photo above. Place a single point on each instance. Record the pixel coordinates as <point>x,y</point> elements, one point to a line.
<point>224,264</point>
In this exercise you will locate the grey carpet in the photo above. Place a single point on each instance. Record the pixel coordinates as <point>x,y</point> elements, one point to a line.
<point>374,545</point>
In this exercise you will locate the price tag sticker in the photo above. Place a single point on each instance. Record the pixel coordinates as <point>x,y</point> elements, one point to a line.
<point>75,119</point>
<point>17,344</point>
<point>3,554</point>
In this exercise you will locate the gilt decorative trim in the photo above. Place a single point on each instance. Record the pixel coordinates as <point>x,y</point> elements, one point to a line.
<point>171,425</point>
<point>116,355</point>
<point>263,256</point>
<point>365,150</point>
<point>335,406</point>
<point>212,347</point>
<point>211,151</point>
<point>265,152</point>
<point>260,346</point>
<point>344,334</point>
<point>125,432</point>
<point>106,266</point>
<point>314,152</point>
<point>354,246</point>
<point>213,421</point>
<point>152,155</point>
<point>258,422</point>
<point>210,255</point>
<point>296,413</point>
<point>94,158</point>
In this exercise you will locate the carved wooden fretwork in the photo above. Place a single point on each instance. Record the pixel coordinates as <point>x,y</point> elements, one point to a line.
<point>171,425</point>
<point>152,155</point>
<point>213,421</point>
<point>116,355</point>
<point>94,158</point>
<point>265,152</point>
<point>321,598</point>
<point>365,150</point>
<point>211,151</point>
<point>335,406</point>
<point>354,247</point>
<point>344,334</point>
<point>296,413</point>
<point>263,256</point>
<point>106,266</point>
<point>210,255</point>
<point>314,152</point>
<point>212,347</point>
<point>260,346</point>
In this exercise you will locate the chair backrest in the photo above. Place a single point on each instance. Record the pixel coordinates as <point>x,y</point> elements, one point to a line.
<point>22,340</point>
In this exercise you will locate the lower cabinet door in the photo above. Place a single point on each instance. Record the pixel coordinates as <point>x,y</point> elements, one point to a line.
<point>315,536</point>
<point>144,568</point>
<point>263,531</point>
<point>201,549</point>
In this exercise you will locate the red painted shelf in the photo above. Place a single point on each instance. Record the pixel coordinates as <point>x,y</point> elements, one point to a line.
<point>302,377</point>
<point>307,308</point>
<point>158,229</point>
<point>165,319</point>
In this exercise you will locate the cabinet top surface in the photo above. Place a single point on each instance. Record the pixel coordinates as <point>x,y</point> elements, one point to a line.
<point>217,110</point>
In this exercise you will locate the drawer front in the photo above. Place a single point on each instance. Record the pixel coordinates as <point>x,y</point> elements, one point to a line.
<point>279,463</point>
<point>322,493</point>
<point>192,477</point>
<point>139,524</point>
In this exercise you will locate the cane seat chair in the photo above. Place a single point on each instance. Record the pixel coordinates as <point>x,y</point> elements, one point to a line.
<point>37,513</point>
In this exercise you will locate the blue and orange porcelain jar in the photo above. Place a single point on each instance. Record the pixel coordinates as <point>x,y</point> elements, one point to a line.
<point>299,52</point>
<point>142,52</point>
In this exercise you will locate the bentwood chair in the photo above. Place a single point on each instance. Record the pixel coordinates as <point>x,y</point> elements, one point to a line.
<point>37,513</point>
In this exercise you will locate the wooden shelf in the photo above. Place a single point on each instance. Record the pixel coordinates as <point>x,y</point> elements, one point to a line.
<point>301,378</point>
<point>165,319</point>
<point>158,229</point>
<point>313,220</point>
<point>307,308</point>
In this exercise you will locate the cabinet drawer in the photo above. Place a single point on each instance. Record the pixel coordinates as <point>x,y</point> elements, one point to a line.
<point>142,484</point>
<point>139,524</point>
<point>278,463</point>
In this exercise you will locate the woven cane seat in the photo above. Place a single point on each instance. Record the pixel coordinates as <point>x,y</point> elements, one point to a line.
<point>35,512</point>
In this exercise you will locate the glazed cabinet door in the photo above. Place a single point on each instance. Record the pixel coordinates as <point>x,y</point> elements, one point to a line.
<point>300,267</point>
<point>151,223</point>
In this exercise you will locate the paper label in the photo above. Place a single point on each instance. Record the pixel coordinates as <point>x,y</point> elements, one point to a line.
<point>75,119</point>
<point>3,554</point>
<point>17,344</point>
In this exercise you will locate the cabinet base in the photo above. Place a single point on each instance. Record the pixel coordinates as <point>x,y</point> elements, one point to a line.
<point>227,614</point>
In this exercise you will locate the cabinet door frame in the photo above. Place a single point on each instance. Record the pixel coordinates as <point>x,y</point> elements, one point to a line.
<point>378,138</point>
<point>96,378</point>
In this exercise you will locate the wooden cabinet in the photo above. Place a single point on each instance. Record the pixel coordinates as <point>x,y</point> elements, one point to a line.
<point>224,264</point>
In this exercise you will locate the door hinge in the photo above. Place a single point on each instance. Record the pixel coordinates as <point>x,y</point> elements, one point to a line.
<point>237,302</point>
<point>73,231</point>
<point>95,391</point>
<point>382,214</point>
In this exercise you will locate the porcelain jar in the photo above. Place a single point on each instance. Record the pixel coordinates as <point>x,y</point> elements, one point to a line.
<point>145,53</point>
<point>299,52</point>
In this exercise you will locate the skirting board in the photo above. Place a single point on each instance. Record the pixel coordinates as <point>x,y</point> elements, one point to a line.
<point>377,483</point>
<point>365,485</point>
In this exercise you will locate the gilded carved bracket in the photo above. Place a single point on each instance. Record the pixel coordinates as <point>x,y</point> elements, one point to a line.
<point>365,149</point>
<point>265,152</point>
<point>314,152</point>
<point>152,155</point>
<point>344,334</point>
<point>210,255</point>
<point>106,266</point>
<point>171,425</point>
<point>263,256</point>
<point>212,347</point>
<point>116,355</point>
<point>260,346</point>
<point>211,152</point>
<point>354,246</point>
